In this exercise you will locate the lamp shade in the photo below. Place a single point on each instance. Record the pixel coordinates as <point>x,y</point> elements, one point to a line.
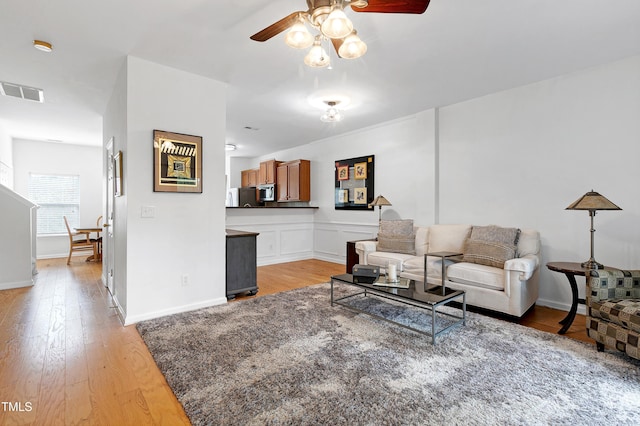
<point>380,201</point>
<point>592,201</point>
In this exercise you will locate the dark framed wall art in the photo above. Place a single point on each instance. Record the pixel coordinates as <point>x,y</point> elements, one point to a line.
<point>354,186</point>
<point>177,162</point>
<point>117,174</point>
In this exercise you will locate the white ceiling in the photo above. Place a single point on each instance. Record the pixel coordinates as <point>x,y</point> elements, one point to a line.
<point>456,50</point>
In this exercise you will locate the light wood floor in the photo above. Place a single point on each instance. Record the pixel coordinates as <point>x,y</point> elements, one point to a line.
<point>66,359</point>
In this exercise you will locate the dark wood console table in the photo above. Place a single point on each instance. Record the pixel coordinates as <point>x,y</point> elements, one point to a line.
<point>352,255</point>
<point>241,263</point>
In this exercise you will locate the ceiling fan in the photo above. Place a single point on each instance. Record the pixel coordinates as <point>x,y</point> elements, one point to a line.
<point>328,17</point>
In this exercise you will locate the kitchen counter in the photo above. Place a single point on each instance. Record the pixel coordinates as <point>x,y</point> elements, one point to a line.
<point>235,233</point>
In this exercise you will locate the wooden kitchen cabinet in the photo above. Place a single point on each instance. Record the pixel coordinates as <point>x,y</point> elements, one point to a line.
<point>294,181</point>
<point>249,177</point>
<point>268,172</point>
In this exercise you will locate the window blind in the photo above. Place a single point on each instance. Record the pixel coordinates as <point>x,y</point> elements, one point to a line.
<point>57,196</point>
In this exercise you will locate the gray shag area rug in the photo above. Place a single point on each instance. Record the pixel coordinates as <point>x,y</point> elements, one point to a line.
<point>291,358</point>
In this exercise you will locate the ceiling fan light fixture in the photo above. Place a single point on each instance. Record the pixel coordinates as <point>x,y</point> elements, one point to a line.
<point>317,56</point>
<point>299,36</point>
<point>359,3</point>
<point>332,114</point>
<point>352,47</point>
<point>337,25</point>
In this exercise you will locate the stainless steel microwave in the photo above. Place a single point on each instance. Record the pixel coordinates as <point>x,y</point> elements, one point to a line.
<point>267,192</point>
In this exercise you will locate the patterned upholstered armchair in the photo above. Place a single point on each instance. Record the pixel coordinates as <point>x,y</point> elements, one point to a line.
<point>613,310</point>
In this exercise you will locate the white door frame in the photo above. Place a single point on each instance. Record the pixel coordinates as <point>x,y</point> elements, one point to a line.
<point>107,239</point>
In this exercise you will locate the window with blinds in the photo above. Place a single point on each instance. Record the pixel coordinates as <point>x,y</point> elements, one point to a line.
<point>57,196</point>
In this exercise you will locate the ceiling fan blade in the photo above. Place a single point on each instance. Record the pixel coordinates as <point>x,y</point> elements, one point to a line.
<point>337,42</point>
<point>276,28</point>
<point>394,6</point>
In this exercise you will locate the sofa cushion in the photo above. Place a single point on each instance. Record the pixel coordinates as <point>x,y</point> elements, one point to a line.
<point>448,237</point>
<point>528,242</point>
<point>415,266</point>
<point>382,259</point>
<point>422,240</point>
<point>476,275</point>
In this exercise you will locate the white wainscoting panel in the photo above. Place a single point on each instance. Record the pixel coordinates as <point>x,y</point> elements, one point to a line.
<point>287,235</point>
<point>330,239</point>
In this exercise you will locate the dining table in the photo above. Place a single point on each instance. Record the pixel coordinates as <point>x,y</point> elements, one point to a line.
<point>89,230</point>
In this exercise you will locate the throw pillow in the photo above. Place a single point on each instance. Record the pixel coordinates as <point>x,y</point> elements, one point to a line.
<point>397,236</point>
<point>490,253</point>
<point>397,243</point>
<point>396,227</point>
<point>495,233</point>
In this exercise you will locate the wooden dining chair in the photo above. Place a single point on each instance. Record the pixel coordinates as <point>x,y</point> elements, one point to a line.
<point>79,241</point>
<point>99,237</point>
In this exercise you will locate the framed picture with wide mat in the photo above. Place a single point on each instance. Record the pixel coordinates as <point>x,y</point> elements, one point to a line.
<point>177,162</point>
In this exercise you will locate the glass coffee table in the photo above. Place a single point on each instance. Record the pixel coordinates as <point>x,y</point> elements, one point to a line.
<point>404,292</point>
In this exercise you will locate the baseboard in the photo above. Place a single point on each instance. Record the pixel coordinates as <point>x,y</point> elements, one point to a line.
<point>62,255</point>
<point>330,258</point>
<point>132,319</point>
<point>16,284</point>
<point>263,261</point>
<point>582,310</point>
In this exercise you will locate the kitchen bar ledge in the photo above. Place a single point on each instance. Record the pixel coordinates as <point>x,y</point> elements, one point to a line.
<point>272,207</point>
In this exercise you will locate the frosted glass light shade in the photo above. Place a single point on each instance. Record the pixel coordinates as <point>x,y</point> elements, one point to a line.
<point>352,47</point>
<point>337,25</point>
<point>332,115</point>
<point>299,36</point>
<point>317,56</point>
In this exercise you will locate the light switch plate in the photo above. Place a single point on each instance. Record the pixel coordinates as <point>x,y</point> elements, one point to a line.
<point>148,211</point>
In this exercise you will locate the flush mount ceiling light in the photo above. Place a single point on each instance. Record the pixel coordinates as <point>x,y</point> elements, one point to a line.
<point>332,114</point>
<point>229,147</point>
<point>330,20</point>
<point>42,45</point>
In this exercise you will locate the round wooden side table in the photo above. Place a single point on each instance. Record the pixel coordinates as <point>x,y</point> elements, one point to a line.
<point>570,269</point>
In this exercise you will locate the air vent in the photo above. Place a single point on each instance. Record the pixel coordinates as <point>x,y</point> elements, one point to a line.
<point>22,92</point>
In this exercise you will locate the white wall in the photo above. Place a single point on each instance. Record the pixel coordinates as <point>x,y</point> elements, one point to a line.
<point>114,126</point>
<point>520,157</point>
<point>6,158</point>
<point>186,236</point>
<point>514,158</point>
<point>17,254</point>
<point>66,159</point>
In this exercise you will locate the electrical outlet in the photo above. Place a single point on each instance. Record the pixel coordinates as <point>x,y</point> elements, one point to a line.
<point>184,280</point>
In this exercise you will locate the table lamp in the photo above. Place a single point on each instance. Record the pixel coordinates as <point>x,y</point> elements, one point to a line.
<point>380,201</point>
<point>592,201</point>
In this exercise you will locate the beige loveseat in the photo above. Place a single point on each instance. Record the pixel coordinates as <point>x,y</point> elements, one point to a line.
<point>508,284</point>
